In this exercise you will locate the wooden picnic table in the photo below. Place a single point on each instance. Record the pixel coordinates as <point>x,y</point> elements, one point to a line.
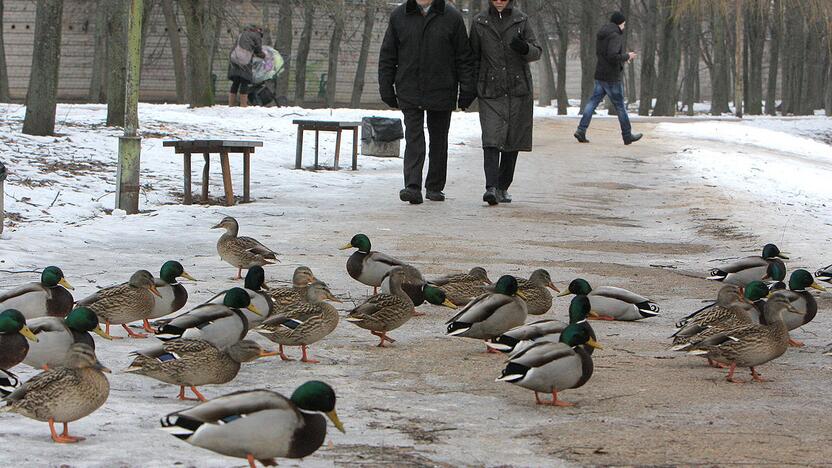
<point>326,126</point>
<point>223,148</point>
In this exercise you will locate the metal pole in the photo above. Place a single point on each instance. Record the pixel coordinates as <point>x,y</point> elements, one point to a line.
<point>130,145</point>
<point>2,196</point>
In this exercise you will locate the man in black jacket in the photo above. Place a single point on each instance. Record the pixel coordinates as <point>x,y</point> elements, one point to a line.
<point>609,49</point>
<point>425,65</point>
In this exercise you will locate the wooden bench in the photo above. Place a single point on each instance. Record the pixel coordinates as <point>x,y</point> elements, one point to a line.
<point>326,126</point>
<point>223,148</point>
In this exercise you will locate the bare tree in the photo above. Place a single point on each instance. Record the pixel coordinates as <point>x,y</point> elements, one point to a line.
<point>669,61</point>
<point>776,31</point>
<point>176,51</point>
<point>98,81</point>
<point>303,52</point>
<point>334,51</point>
<point>692,30</point>
<point>588,26</point>
<point>547,72</point>
<point>739,35</point>
<point>5,96</point>
<point>648,57</point>
<point>370,11</point>
<point>117,11</point>
<point>755,28</point>
<point>283,44</point>
<point>41,96</point>
<point>203,19</point>
<point>561,12</point>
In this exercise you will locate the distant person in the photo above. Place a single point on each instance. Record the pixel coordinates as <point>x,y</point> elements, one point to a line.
<point>425,65</point>
<point>503,43</point>
<point>248,45</point>
<point>611,59</point>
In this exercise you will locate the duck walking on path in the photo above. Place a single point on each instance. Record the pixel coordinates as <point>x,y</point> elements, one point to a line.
<point>491,314</point>
<point>125,303</point>
<point>369,267</point>
<point>241,252</point>
<point>49,297</point>
<point>748,269</point>
<point>382,313</point>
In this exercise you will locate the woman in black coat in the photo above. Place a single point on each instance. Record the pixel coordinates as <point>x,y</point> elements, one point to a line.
<point>248,46</point>
<point>503,44</point>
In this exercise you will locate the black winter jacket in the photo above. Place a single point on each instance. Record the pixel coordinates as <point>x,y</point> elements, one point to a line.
<point>609,49</point>
<point>425,60</point>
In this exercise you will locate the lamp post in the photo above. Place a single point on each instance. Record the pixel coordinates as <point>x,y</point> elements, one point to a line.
<point>130,144</point>
<point>2,196</point>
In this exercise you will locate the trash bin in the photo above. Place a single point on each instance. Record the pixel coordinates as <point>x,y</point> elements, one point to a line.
<point>2,196</point>
<point>381,136</point>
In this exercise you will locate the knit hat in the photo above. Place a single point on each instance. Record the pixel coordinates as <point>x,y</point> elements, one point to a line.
<point>618,18</point>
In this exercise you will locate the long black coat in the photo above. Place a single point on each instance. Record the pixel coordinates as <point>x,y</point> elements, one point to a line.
<point>425,60</point>
<point>253,42</point>
<point>504,80</point>
<point>609,48</point>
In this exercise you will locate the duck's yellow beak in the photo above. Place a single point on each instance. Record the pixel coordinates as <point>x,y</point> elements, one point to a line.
<point>98,331</point>
<point>28,334</point>
<point>63,282</point>
<point>254,310</point>
<point>264,353</point>
<point>187,276</point>
<point>345,247</point>
<point>333,416</point>
<point>818,287</point>
<point>594,344</point>
<point>522,295</point>
<point>155,291</point>
<point>552,286</point>
<point>783,256</point>
<point>564,293</point>
<point>449,304</point>
<point>265,287</point>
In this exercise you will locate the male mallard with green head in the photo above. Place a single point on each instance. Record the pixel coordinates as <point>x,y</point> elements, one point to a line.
<point>172,295</point>
<point>382,313</point>
<point>124,303</point>
<point>748,269</point>
<point>241,252</point>
<point>369,267</point>
<point>49,297</point>
<point>14,338</point>
<point>804,303</point>
<point>254,285</point>
<point>611,303</point>
<point>491,314</point>
<point>55,337</point>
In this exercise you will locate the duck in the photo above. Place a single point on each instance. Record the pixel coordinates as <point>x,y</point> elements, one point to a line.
<point>193,363</point>
<point>63,394</point>
<point>547,367</point>
<point>419,290</point>
<point>824,274</point>
<point>519,338</point>
<point>222,325</point>
<point>255,286</point>
<point>303,324</point>
<point>172,295</point>
<point>301,278</point>
<point>805,304</point>
<point>611,303</point>
<point>491,314</point>
<point>462,288</point>
<point>748,269</point>
<point>241,252</point>
<point>749,345</point>
<point>259,425</point>
<point>730,310</point>
<point>15,336</point>
<point>366,266</point>
<point>538,297</point>
<point>125,303</point>
<point>50,297</point>
<point>56,337</point>
<point>382,313</point>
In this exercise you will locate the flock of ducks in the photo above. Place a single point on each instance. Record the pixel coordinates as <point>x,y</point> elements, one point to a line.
<point>43,327</point>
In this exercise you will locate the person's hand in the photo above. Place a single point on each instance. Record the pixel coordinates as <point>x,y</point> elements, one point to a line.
<point>391,101</point>
<point>465,100</point>
<point>519,45</point>
<point>632,56</point>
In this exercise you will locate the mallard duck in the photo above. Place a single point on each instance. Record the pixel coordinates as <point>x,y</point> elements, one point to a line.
<point>748,269</point>
<point>547,367</point>
<point>124,303</point>
<point>491,314</point>
<point>283,297</point>
<point>14,338</point>
<point>611,303</point>
<point>382,313</point>
<point>262,302</point>
<point>538,297</point>
<point>731,310</point>
<point>63,394</point>
<point>47,298</point>
<point>56,336</point>
<point>259,424</point>
<point>303,324</point>
<point>366,266</point>
<point>805,306</point>
<point>8,382</point>
<point>519,338</point>
<point>193,363</point>
<point>462,288</point>
<point>418,290</point>
<point>775,276</point>
<point>824,274</point>
<point>241,252</point>
<point>749,345</point>
<point>172,295</point>
<point>222,325</point>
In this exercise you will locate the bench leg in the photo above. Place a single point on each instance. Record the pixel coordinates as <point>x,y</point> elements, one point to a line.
<point>299,148</point>
<point>206,169</point>
<point>187,198</point>
<point>337,149</point>
<point>226,179</point>
<point>246,175</point>
<point>317,140</point>
<point>355,148</point>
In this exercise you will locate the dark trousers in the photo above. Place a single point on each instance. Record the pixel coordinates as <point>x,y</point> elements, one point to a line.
<point>615,90</point>
<point>499,167</point>
<point>439,123</point>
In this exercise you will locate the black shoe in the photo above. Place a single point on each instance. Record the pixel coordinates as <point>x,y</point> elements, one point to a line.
<point>632,138</point>
<point>490,196</point>
<point>411,195</point>
<point>503,196</point>
<point>435,196</point>
<point>580,136</point>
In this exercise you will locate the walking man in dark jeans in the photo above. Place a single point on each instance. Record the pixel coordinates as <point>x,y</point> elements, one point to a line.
<point>425,65</point>
<point>611,59</point>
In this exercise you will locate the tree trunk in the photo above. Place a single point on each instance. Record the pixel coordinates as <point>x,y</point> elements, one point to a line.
<point>670,57</point>
<point>267,19</point>
<point>98,81</point>
<point>756,28</point>
<point>739,36</point>
<point>629,67</point>
<point>4,72</point>
<point>720,78</point>
<point>116,61</point>
<point>648,58</point>
<point>303,53</point>
<point>588,27</point>
<point>547,73</point>
<point>562,26</point>
<point>176,51</point>
<point>201,22</point>
<point>692,32</point>
<point>43,79</point>
<point>334,52</point>
<point>370,11</point>
<point>283,44</point>
<point>776,27</point>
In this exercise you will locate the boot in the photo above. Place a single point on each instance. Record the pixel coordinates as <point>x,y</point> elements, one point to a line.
<point>632,138</point>
<point>503,196</point>
<point>243,100</point>
<point>413,196</point>
<point>232,100</point>
<point>580,135</point>
<point>490,196</point>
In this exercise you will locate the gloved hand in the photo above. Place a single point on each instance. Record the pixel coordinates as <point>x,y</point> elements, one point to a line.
<point>519,45</point>
<point>391,101</point>
<point>465,100</point>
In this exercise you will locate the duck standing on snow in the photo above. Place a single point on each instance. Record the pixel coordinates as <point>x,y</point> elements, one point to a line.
<point>124,303</point>
<point>805,306</point>
<point>546,367</point>
<point>14,345</point>
<point>824,274</point>
<point>284,297</point>
<point>491,314</point>
<point>63,394</point>
<point>536,290</point>
<point>382,313</point>
<point>259,425</point>
<point>55,337</point>
<point>462,288</point>
<point>260,299</point>
<point>369,267</point>
<point>611,303</point>
<point>172,295</point>
<point>748,269</point>
<point>241,252</point>
<point>49,297</point>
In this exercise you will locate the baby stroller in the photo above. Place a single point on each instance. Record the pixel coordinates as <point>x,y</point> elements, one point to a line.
<point>264,73</point>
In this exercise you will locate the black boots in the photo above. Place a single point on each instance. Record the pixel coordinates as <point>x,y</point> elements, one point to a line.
<point>503,196</point>
<point>632,138</point>
<point>490,196</point>
<point>435,196</point>
<point>580,135</point>
<point>411,195</point>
